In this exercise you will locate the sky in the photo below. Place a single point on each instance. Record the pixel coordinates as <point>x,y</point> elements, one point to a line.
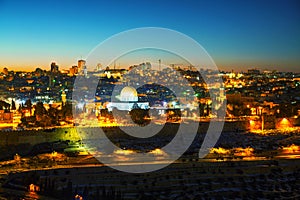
<point>237,35</point>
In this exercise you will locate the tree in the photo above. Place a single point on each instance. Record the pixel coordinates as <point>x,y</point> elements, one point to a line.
<point>66,110</point>
<point>106,114</point>
<point>40,109</point>
<point>53,114</point>
<point>173,114</point>
<point>38,71</point>
<point>29,105</point>
<point>119,115</point>
<point>247,111</point>
<point>20,108</point>
<point>13,105</point>
<point>4,105</point>
<point>154,113</point>
<point>139,116</point>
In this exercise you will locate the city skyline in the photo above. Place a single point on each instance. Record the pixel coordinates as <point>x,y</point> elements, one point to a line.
<point>237,35</point>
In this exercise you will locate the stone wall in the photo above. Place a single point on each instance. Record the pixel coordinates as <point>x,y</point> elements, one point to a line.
<point>39,136</point>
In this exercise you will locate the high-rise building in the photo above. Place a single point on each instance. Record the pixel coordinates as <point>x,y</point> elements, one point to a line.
<point>5,71</point>
<point>85,71</point>
<point>73,71</point>
<point>145,66</point>
<point>54,68</point>
<point>99,67</point>
<point>148,66</point>
<point>81,64</point>
<point>53,71</point>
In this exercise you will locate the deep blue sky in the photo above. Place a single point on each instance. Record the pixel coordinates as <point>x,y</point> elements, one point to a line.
<point>237,34</point>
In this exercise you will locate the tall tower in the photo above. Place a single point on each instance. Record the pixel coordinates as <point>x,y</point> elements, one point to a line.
<point>85,71</point>
<point>5,71</point>
<point>53,72</point>
<point>54,67</point>
<point>81,64</point>
<point>63,98</point>
<point>159,62</point>
<point>98,67</point>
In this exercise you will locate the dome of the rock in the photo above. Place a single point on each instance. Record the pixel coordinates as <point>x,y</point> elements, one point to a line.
<point>128,94</point>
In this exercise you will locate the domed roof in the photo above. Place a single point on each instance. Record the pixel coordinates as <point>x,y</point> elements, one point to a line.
<point>128,94</point>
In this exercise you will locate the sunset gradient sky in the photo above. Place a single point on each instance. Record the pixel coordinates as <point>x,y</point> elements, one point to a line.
<point>237,34</point>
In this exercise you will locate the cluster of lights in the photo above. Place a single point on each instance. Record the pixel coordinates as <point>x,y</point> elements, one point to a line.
<point>239,151</point>
<point>291,149</point>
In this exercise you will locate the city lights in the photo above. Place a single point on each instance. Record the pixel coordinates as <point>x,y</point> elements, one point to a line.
<point>205,106</point>
<point>284,123</point>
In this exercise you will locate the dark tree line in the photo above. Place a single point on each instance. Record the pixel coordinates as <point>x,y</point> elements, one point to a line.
<point>45,117</point>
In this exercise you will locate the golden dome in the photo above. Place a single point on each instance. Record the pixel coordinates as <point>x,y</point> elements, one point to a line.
<point>128,94</point>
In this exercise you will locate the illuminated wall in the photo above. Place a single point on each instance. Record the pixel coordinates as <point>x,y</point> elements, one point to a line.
<point>282,123</point>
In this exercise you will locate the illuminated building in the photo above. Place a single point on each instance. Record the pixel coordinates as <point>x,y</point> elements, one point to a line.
<point>99,67</point>
<point>73,71</point>
<point>85,71</point>
<point>63,97</point>
<point>81,64</point>
<point>53,71</point>
<point>284,123</point>
<point>6,117</point>
<point>128,99</point>
<point>54,68</point>
<point>5,71</point>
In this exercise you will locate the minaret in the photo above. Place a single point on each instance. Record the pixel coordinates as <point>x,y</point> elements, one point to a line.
<point>159,62</point>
